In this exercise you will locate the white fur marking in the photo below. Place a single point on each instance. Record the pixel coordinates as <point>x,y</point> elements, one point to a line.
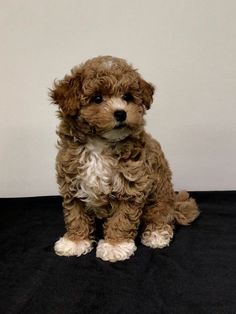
<point>117,252</point>
<point>96,176</point>
<point>156,239</point>
<point>66,247</point>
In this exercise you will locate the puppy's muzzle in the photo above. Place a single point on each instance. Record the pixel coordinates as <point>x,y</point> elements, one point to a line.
<point>120,115</point>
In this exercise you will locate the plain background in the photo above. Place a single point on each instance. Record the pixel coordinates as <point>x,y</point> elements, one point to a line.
<point>187,48</point>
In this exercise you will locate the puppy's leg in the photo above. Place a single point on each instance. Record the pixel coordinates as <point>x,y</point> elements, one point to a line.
<point>80,226</point>
<point>158,223</point>
<point>119,233</point>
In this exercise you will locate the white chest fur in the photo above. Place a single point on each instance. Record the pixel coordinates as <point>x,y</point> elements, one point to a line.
<point>97,173</point>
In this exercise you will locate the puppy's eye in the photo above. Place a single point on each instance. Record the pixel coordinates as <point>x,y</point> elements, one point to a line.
<point>97,99</point>
<point>128,97</point>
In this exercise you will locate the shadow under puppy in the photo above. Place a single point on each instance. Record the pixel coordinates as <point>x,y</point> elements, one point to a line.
<point>109,167</point>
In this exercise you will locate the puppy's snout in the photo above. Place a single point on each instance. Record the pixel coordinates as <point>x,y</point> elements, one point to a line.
<point>120,115</point>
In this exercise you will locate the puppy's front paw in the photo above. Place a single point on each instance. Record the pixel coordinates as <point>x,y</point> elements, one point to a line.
<point>156,239</point>
<point>115,252</point>
<point>66,247</point>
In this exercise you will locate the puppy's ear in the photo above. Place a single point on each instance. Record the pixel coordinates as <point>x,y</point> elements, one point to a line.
<point>147,90</point>
<point>65,93</point>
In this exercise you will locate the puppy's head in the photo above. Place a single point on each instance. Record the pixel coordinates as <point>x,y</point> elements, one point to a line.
<point>106,94</point>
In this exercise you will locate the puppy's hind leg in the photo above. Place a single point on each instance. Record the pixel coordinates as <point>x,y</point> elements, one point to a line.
<point>158,225</point>
<point>78,238</point>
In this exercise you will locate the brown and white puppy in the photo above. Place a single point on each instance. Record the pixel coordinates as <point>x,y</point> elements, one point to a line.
<point>109,167</point>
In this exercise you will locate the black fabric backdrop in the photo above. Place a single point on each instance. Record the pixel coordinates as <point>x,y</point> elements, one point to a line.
<point>195,274</point>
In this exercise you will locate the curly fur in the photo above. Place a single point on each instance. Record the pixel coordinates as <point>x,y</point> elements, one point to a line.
<point>110,169</point>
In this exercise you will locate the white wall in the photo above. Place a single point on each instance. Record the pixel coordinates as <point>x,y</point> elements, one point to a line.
<point>185,47</point>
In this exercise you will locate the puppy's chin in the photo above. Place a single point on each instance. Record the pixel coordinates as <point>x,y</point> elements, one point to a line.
<point>116,134</point>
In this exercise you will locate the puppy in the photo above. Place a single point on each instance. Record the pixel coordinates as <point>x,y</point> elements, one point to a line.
<point>108,166</point>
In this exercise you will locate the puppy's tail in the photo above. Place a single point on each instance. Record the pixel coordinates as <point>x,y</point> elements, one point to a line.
<point>186,209</point>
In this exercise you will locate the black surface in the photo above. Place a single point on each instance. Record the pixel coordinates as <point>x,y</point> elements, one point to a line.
<point>196,274</point>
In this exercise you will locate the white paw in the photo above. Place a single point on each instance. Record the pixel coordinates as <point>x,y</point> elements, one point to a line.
<point>156,239</point>
<point>116,252</point>
<point>66,247</point>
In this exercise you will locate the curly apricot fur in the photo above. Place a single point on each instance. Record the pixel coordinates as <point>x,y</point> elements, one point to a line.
<point>109,171</point>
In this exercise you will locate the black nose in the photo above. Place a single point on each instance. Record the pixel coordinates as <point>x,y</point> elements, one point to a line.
<point>120,115</point>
